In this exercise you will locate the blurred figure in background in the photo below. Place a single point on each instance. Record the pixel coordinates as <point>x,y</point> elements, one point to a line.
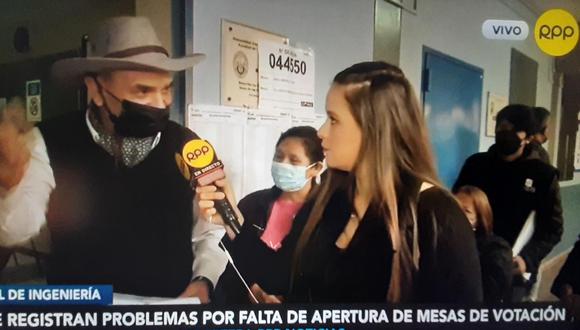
<point>274,219</point>
<point>517,185</point>
<point>495,254</point>
<point>541,118</point>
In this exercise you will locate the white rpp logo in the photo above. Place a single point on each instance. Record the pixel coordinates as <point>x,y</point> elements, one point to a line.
<point>505,30</point>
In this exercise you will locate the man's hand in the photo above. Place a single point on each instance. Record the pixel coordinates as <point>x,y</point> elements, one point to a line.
<point>14,155</point>
<point>16,114</point>
<point>206,196</point>
<point>519,266</point>
<point>199,289</point>
<point>263,297</point>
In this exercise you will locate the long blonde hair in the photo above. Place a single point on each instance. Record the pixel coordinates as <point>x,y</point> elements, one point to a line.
<point>484,214</point>
<point>396,147</point>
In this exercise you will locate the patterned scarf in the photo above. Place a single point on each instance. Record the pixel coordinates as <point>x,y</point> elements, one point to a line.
<point>129,150</point>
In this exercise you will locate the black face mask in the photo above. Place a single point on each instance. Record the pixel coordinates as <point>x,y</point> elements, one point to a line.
<point>507,142</point>
<point>138,120</point>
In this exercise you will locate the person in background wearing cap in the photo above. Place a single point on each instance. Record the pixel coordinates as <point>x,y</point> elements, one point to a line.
<point>516,185</point>
<point>541,117</point>
<point>120,211</point>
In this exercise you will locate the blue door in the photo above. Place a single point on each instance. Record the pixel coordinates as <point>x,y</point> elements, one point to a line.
<point>452,103</point>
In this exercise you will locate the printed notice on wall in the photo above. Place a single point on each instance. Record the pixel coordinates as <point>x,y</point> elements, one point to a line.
<point>308,118</point>
<point>263,129</point>
<point>286,77</point>
<point>239,78</point>
<point>495,103</point>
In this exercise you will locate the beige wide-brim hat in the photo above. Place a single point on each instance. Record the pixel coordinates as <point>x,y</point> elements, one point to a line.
<point>122,43</point>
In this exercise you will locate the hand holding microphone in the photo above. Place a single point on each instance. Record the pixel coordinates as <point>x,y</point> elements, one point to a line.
<point>209,195</point>
<point>205,171</point>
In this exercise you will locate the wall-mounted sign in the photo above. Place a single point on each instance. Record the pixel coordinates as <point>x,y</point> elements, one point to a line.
<point>286,77</point>
<point>495,103</point>
<point>33,101</point>
<point>239,77</point>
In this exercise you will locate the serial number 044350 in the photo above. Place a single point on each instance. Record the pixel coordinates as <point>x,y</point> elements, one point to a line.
<point>286,63</point>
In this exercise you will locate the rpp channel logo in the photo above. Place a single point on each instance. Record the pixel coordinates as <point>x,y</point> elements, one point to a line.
<point>556,32</point>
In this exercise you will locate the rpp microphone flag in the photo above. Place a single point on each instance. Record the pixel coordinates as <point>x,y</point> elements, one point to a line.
<point>203,168</point>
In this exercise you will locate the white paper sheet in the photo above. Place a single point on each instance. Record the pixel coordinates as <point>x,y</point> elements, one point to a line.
<point>286,77</point>
<point>262,132</point>
<point>304,118</point>
<point>525,234</point>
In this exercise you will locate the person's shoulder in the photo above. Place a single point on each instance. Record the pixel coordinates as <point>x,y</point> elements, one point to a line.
<point>436,195</point>
<point>478,157</point>
<point>252,203</point>
<point>69,120</point>
<point>260,198</point>
<point>259,195</point>
<point>477,161</point>
<point>440,205</point>
<point>541,168</point>
<point>179,131</point>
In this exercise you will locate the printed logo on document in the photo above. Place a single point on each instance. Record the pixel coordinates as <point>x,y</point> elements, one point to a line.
<point>240,64</point>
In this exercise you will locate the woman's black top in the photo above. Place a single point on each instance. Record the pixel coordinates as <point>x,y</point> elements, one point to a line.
<point>449,269</point>
<point>255,260</point>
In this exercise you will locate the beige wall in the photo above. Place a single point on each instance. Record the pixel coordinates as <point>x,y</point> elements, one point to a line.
<point>57,26</point>
<point>460,37</point>
<point>159,12</point>
<point>54,26</point>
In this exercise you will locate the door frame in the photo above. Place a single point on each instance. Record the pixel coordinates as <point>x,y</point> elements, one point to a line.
<point>425,75</point>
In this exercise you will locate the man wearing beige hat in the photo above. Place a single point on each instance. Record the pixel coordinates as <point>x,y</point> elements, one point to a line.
<point>105,182</point>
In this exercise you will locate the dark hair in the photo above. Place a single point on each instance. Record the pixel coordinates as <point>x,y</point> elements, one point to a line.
<point>361,72</point>
<point>484,214</point>
<point>518,117</point>
<point>541,116</point>
<point>310,140</point>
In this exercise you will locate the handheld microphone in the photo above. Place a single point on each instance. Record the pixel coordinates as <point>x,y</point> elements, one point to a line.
<point>204,167</point>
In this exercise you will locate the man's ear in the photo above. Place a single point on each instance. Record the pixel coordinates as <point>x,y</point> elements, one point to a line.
<point>93,91</point>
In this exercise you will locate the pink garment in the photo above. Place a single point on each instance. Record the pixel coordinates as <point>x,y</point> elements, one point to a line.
<point>280,223</point>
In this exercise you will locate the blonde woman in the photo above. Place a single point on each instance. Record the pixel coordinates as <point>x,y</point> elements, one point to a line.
<point>382,228</point>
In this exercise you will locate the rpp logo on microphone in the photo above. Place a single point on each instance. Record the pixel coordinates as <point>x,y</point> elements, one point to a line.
<point>198,153</point>
<point>496,29</point>
<point>556,32</point>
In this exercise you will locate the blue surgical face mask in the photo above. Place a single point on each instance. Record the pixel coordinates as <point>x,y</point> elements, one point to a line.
<point>290,177</point>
